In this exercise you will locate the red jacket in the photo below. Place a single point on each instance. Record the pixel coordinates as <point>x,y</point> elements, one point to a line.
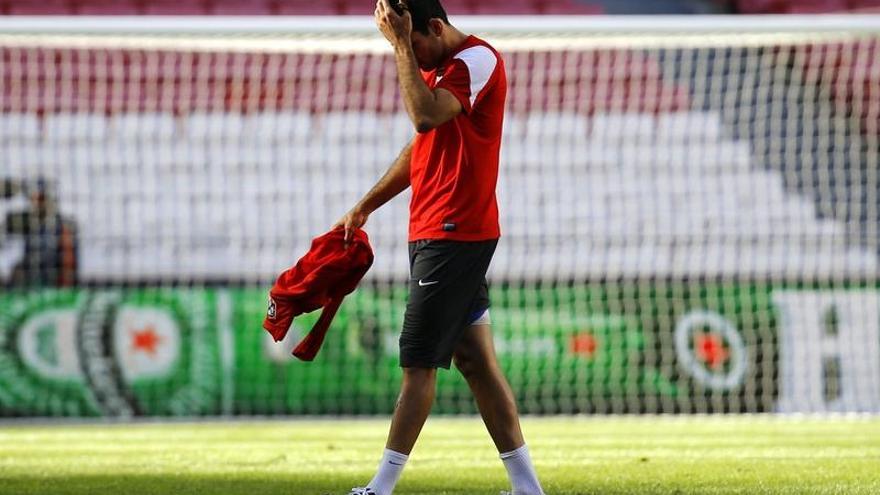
<point>321,278</point>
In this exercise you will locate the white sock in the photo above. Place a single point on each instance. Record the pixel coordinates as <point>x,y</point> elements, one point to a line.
<point>389,472</point>
<point>521,472</point>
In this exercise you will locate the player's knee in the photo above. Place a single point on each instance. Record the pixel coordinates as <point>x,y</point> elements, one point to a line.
<point>468,364</point>
<point>419,375</point>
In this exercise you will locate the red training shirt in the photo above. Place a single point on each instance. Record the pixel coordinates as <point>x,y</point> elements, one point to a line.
<point>454,167</point>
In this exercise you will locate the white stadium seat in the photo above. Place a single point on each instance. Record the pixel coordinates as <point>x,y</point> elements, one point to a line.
<point>147,126</point>
<point>17,127</point>
<point>75,127</point>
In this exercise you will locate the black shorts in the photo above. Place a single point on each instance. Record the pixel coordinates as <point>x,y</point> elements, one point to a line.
<point>447,292</point>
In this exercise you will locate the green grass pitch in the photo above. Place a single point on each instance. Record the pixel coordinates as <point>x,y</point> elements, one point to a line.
<point>616,455</point>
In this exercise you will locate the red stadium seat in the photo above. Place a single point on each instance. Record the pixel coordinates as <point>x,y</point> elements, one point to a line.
<point>307,7</point>
<point>176,7</point>
<point>43,7</point>
<point>459,7</point>
<point>108,7</point>
<point>507,7</point>
<point>761,6</point>
<point>799,6</point>
<point>353,7</point>
<point>240,7</point>
<point>569,7</point>
<point>358,7</point>
<point>817,6</point>
<point>865,6</point>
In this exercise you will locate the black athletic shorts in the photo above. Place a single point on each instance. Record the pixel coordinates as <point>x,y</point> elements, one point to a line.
<point>447,292</point>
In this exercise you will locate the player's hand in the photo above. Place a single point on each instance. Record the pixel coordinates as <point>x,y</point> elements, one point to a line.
<point>354,219</point>
<point>396,28</point>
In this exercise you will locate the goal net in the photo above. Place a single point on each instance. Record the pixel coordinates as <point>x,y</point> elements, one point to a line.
<point>689,210</point>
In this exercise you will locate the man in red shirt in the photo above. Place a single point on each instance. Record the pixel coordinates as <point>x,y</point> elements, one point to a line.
<point>454,88</point>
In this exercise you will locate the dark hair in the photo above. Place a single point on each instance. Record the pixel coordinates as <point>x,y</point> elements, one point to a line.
<point>422,11</point>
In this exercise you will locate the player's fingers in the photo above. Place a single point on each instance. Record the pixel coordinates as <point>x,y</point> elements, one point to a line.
<point>390,12</point>
<point>348,231</point>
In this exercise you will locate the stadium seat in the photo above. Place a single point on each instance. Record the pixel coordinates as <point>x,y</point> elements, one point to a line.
<point>817,6</point>
<point>506,7</point>
<point>240,7</point>
<point>569,7</point>
<point>75,127</point>
<point>214,126</point>
<point>620,127</point>
<point>44,7</point>
<point>300,7</point>
<point>21,160</point>
<point>345,126</point>
<point>176,7</point>
<point>306,7</point>
<point>799,6</point>
<point>865,6</point>
<point>108,7</point>
<point>695,126</point>
<point>459,7</point>
<point>279,127</point>
<point>400,128</point>
<point>564,126</point>
<point>143,126</point>
<point>761,6</point>
<point>357,7</point>
<point>19,127</point>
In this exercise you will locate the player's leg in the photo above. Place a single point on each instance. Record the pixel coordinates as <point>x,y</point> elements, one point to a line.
<point>475,359</point>
<point>441,286</point>
<point>412,409</point>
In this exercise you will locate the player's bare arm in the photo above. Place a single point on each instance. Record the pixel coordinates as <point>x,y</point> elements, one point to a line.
<point>395,181</point>
<point>427,108</point>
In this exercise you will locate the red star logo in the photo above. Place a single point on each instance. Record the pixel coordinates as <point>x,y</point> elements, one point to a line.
<point>711,350</point>
<point>583,344</point>
<point>145,340</point>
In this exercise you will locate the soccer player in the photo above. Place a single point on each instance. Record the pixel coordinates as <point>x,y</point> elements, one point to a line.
<point>454,88</point>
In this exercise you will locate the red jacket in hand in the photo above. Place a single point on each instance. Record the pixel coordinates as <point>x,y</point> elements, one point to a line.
<point>321,278</point>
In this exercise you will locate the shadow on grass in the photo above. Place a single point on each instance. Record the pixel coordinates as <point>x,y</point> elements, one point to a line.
<point>234,484</point>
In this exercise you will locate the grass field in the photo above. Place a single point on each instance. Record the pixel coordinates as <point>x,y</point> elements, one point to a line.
<point>573,456</point>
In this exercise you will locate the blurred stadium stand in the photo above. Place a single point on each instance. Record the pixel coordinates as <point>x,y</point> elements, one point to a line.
<point>281,7</point>
<point>805,6</point>
<point>485,7</point>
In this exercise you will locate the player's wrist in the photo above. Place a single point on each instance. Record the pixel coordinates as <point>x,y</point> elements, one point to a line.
<point>402,48</point>
<point>364,207</point>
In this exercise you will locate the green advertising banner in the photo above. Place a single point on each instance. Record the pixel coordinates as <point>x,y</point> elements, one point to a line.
<point>115,353</point>
<point>603,348</point>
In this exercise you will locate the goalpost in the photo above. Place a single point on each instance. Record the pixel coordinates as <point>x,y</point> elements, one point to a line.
<point>689,211</point>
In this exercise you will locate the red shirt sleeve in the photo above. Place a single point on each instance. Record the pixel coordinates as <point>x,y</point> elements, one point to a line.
<point>457,80</point>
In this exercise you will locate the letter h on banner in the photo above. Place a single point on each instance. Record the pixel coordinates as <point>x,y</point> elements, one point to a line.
<point>829,351</point>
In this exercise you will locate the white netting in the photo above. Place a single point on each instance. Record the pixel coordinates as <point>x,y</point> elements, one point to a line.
<point>672,197</point>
